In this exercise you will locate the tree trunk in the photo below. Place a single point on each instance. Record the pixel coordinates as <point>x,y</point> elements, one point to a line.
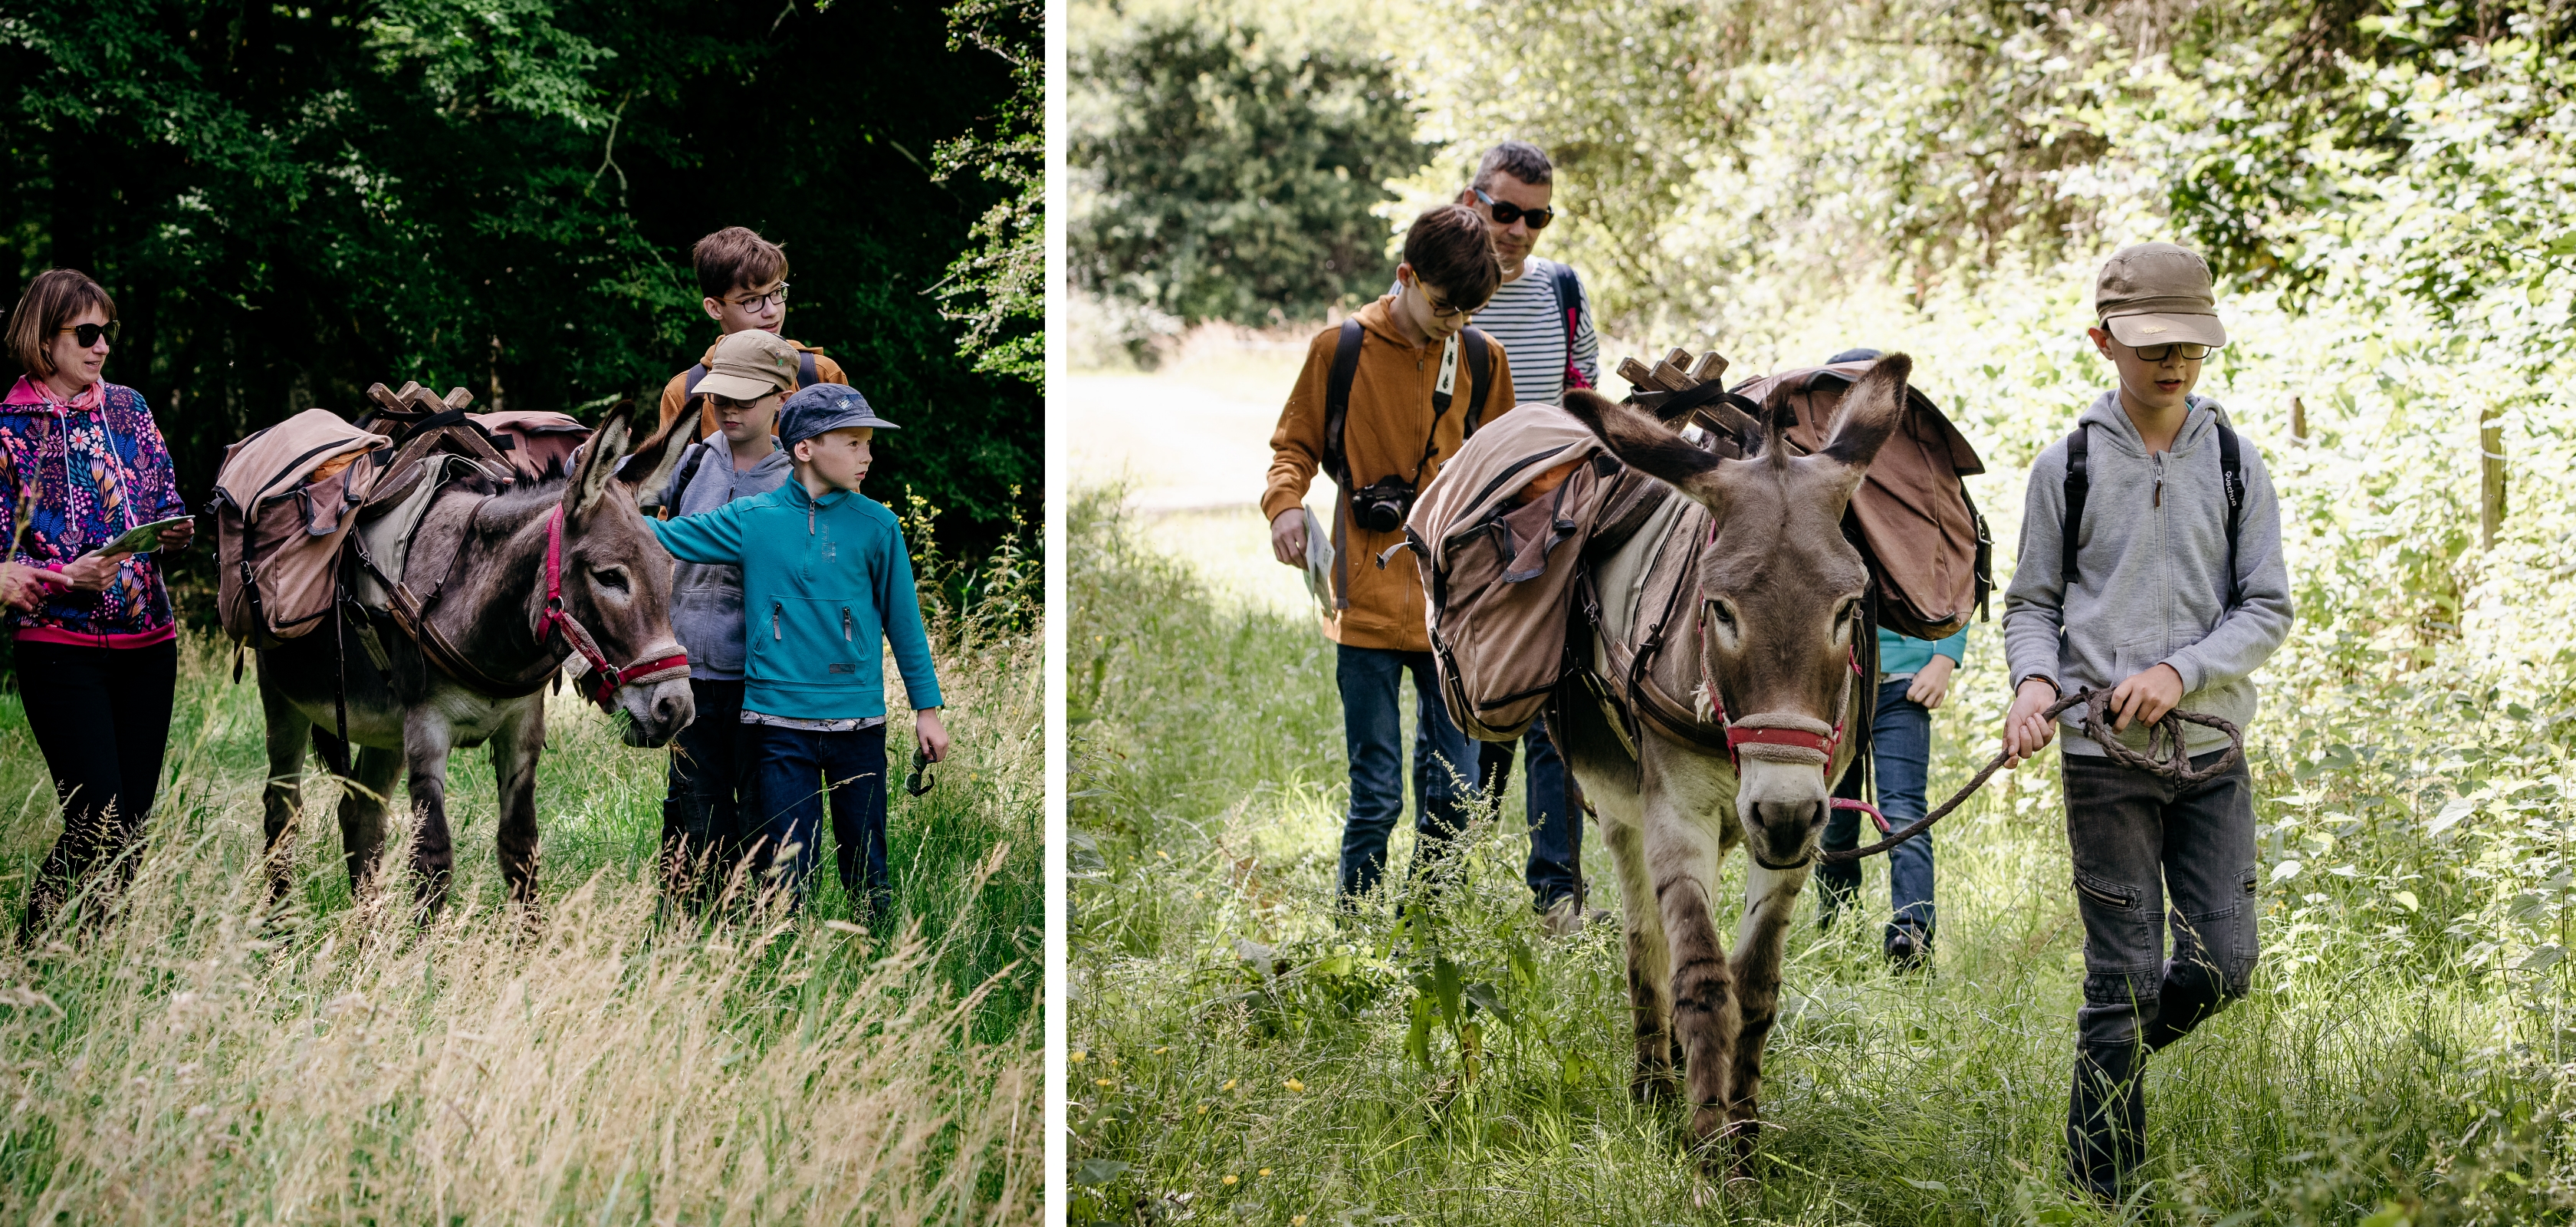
<point>2490,476</point>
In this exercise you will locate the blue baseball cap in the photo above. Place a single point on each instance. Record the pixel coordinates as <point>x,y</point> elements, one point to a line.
<point>824,407</point>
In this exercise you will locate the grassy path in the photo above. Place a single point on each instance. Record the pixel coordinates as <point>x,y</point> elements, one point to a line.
<point>1238,1056</point>
<point>189,1062</point>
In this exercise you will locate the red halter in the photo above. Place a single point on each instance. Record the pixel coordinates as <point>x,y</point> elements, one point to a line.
<point>1737,735</point>
<point>602,682</point>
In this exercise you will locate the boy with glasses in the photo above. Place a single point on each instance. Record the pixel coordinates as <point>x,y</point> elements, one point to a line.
<point>744,279</point>
<point>1381,401</point>
<point>2150,566</point>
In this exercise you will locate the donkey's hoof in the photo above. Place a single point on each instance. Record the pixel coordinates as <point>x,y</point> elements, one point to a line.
<point>1659,1086</point>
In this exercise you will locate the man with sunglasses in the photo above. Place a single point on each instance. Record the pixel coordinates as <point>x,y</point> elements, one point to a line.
<point>1544,321</point>
<point>1382,401</point>
<point>2150,566</point>
<point>744,280</point>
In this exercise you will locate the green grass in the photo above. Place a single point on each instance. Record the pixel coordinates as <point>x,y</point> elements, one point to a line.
<point>200,1059</point>
<point>1239,1056</point>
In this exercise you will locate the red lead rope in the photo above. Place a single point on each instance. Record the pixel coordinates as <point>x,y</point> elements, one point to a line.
<point>602,682</point>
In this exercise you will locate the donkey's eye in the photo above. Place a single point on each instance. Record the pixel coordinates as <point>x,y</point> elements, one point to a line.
<point>1723,612</point>
<point>613,579</point>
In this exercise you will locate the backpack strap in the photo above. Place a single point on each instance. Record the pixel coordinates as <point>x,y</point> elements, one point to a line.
<point>2078,484</point>
<point>1337,399</point>
<point>1480,368</point>
<point>2231,477</point>
<point>805,373</point>
<point>696,456</point>
<point>1569,304</point>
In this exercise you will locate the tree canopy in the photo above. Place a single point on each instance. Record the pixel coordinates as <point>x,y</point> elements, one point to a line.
<point>293,201</point>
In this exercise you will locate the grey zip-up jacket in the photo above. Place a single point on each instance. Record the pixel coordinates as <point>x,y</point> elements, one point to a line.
<point>2154,574</point>
<point>706,598</point>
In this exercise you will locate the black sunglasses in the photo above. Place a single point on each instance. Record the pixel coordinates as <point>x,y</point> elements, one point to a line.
<point>1505,212</point>
<point>87,335</point>
<point>2158,353</point>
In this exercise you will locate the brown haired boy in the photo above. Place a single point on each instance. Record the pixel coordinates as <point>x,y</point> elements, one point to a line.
<point>744,279</point>
<point>1413,379</point>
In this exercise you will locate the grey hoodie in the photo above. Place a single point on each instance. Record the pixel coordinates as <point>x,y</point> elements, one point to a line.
<point>706,598</point>
<point>2154,574</point>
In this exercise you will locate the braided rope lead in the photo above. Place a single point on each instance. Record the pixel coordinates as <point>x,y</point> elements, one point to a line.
<point>2175,763</point>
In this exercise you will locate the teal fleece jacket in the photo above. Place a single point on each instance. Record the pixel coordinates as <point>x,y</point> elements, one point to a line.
<point>1905,656</point>
<point>823,582</point>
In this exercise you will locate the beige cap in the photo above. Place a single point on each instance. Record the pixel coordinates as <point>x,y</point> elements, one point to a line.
<point>750,364</point>
<point>2153,293</point>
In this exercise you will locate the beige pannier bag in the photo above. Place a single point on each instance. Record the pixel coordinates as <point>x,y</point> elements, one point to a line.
<point>284,501</point>
<point>1499,549</point>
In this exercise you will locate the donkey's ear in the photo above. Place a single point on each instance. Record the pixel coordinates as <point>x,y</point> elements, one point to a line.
<point>1870,412</point>
<point>649,466</point>
<point>1639,441</point>
<point>599,460</point>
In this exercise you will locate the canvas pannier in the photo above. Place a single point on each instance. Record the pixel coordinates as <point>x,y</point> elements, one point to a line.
<point>285,498</point>
<point>1499,549</point>
<point>1927,545</point>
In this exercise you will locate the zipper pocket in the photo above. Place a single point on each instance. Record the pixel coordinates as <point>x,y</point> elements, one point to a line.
<point>2104,893</point>
<point>775,610</point>
<point>845,624</point>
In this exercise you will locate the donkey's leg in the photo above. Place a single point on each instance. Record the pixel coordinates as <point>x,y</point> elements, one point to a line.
<point>1770,895</point>
<point>1650,965</point>
<point>1682,858</point>
<point>516,747</point>
<point>426,741</point>
<point>282,800</point>
<point>362,813</point>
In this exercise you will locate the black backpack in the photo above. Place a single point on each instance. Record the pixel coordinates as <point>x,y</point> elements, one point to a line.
<point>1569,303</point>
<point>2079,482</point>
<point>1346,364</point>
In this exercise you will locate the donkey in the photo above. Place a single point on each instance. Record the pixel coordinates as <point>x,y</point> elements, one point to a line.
<point>1767,641</point>
<point>483,563</point>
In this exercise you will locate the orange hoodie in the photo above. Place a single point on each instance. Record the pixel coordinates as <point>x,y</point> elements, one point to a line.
<point>675,394</point>
<point>1390,413</point>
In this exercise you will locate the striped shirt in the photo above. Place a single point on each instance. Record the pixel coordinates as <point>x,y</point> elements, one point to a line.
<point>1524,317</point>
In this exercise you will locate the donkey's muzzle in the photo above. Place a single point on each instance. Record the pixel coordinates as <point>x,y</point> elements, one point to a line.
<point>656,713</point>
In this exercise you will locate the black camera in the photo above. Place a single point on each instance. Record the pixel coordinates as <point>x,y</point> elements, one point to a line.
<point>1381,505</point>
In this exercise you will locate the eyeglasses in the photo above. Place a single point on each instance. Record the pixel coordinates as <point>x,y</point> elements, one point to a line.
<point>1440,310</point>
<point>761,303</point>
<point>87,335</point>
<point>1505,212</point>
<point>2158,353</point>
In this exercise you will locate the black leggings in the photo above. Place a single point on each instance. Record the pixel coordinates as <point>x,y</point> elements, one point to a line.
<point>102,718</point>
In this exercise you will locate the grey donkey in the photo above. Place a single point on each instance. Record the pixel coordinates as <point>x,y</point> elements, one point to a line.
<point>1765,633</point>
<point>480,562</point>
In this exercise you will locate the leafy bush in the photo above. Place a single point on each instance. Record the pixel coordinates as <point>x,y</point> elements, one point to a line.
<point>1227,175</point>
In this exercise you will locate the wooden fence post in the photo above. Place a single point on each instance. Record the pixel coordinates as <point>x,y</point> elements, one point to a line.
<point>2490,475</point>
<point>2298,421</point>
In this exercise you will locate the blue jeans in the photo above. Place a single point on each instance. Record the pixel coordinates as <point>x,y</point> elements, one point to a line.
<point>1901,738</point>
<point>1444,764</point>
<point>793,769</point>
<point>1556,827</point>
<point>710,770</point>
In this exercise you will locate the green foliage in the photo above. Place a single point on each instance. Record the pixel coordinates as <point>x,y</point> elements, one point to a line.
<point>1232,175</point>
<point>293,202</point>
<point>998,286</point>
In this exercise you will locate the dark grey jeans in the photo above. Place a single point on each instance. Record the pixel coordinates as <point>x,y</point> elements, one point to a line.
<point>2148,856</point>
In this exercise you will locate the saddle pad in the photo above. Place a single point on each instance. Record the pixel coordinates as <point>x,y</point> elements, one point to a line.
<point>1621,577</point>
<point>384,537</point>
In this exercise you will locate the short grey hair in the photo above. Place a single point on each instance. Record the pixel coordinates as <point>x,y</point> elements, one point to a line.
<point>1519,159</point>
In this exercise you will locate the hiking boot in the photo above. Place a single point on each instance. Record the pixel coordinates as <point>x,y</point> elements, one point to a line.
<point>2106,1120</point>
<point>1909,949</point>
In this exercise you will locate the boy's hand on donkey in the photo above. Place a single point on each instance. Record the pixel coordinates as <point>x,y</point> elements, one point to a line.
<point>1288,537</point>
<point>2147,696</point>
<point>2027,731</point>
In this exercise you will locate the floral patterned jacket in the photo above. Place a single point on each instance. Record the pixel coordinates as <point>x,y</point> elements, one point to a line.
<point>96,466</point>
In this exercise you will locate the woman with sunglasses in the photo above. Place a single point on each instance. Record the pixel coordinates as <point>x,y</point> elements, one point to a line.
<point>96,649</point>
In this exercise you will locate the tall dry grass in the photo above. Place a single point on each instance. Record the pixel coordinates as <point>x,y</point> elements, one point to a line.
<point>200,1057</point>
